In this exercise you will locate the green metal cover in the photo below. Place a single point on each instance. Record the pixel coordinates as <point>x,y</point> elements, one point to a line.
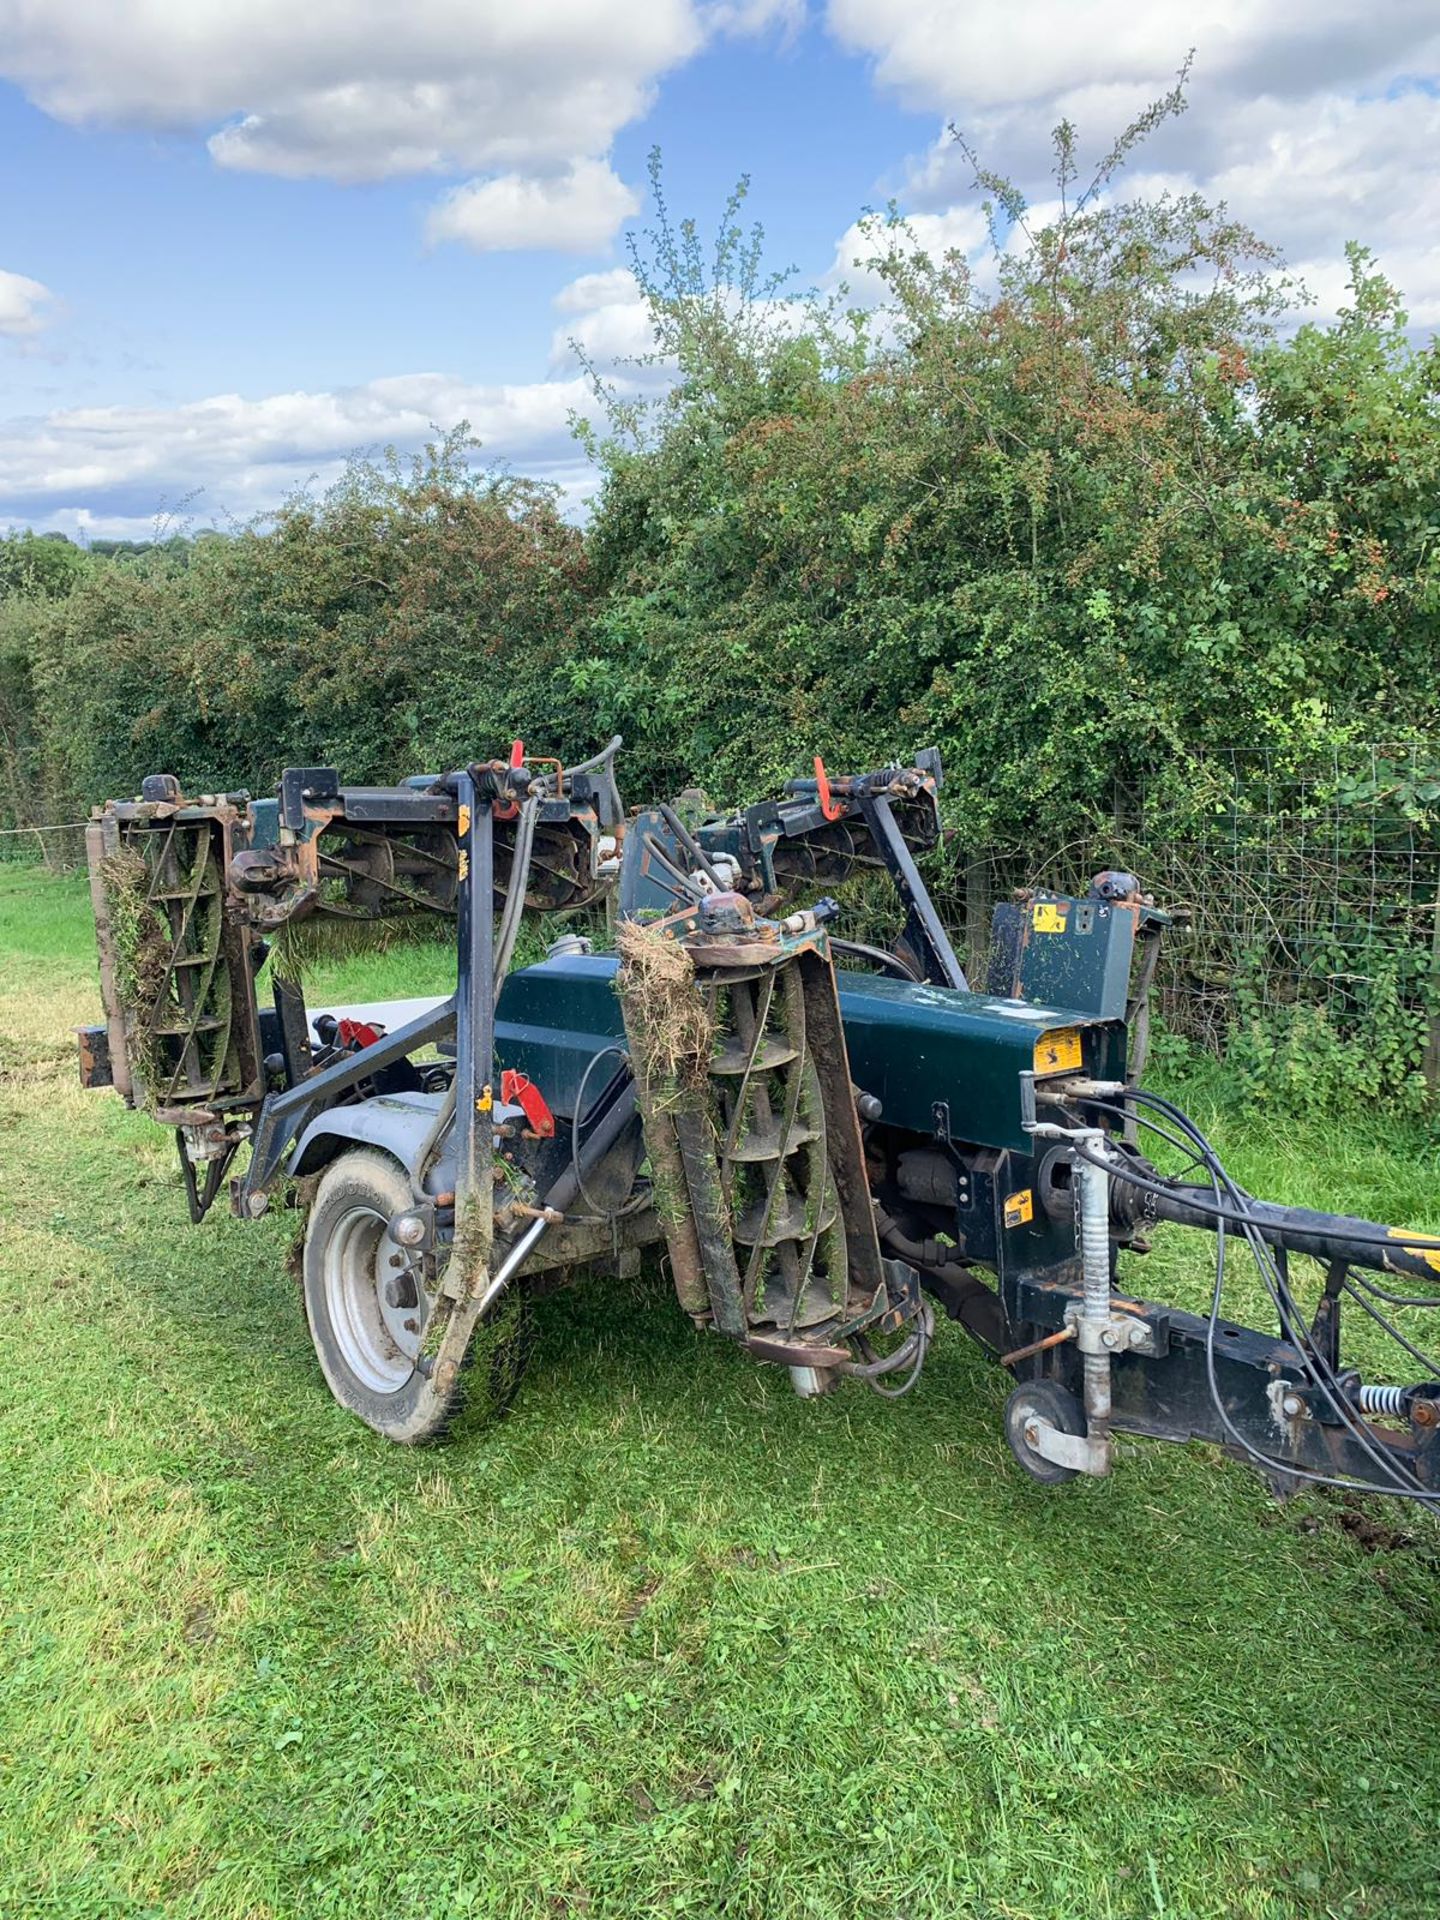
<point>911,1046</point>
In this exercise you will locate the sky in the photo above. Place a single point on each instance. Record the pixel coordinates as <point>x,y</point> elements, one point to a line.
<point>242,239</point>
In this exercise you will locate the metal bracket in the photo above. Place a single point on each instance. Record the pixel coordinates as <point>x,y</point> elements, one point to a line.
<point>1075,1450</point>
<point>1117,1333</point>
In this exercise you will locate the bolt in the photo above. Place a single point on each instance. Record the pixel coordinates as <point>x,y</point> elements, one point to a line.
<point>257,1205</point>
<point>1137,1336</point>
<point>1292,1406</point>
<point>1110,1337</point>
<point>1424,1413</point>
<point>1032,1434</point>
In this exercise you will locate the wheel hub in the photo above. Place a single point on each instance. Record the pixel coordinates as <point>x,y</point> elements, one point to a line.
<point>376,1309</point>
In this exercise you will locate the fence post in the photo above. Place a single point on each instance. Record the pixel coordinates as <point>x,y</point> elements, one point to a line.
<point>1431,1067</point>
<point>977,921</point>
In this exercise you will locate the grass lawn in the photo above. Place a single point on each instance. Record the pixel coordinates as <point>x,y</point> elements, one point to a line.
<point>667,1640</point>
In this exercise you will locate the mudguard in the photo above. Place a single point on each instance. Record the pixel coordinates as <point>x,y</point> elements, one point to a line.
<point>397,1123</point>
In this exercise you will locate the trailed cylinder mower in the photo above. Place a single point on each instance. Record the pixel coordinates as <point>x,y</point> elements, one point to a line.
<point>826,1156</point>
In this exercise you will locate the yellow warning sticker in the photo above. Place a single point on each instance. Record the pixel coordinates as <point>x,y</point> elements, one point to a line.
<point>463,871</point>
<point>1059,1051</point>
<point>1048,916</point>
<point>1020,1207</point>
<point>1430,1255</point>
<point>462,825</point>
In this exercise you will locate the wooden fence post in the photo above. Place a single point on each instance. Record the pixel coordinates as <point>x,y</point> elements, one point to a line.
<point>977,921</point>
<point>1431,1067</point>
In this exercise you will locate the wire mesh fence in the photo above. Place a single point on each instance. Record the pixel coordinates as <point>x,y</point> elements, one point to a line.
<point>1309,893</point>
<point>59,847</point>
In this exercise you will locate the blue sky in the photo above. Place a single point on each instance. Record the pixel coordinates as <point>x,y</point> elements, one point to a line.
<point>238,240</point>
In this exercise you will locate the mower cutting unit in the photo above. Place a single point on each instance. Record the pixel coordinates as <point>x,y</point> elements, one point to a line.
<point>825,1154</point>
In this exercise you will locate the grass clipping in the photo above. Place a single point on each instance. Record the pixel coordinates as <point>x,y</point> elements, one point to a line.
<point>670,1029</point>
<point>141,945</point>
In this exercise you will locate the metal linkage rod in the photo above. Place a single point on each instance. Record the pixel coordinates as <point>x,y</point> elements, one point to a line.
<point>475,1029</point>
<point>286,1115</point>
<point>923,928</point>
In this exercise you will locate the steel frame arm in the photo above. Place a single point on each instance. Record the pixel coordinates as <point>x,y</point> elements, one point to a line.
<point>1327,1237</point>
<point>283,1116</point>
<point>924,934</point>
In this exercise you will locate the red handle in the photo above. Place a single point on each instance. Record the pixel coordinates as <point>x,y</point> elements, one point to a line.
<point>832,809</point>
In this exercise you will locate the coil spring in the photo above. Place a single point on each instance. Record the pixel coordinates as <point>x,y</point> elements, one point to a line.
<point>1381,1400</point>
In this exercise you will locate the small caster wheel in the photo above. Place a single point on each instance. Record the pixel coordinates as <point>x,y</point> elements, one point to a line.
<point>1042,1400</point>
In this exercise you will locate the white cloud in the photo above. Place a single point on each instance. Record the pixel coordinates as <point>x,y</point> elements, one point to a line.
<point>1003,53</point>
<point>608,319</point>
<point>360,90</point>
<point>592,291</point>
<point>124,464</point>
<point>957,230</point>
<point>574,212</point>
<point>1304,115</point>
<point>527,99</point>
<point>354,89</point>
<point>23,305</point>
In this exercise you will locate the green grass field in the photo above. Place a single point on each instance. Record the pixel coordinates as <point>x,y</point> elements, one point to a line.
<point>667,1640</point>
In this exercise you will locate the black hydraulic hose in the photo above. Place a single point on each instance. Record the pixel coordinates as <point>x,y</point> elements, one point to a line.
<point>912,1250</point>
<point>877,957</point>
<point>1323,1236</point>
<point>682,887</point>
<point>1394,1476</point>
<point>1364,1232</point>
<point>597,760</point>
<point>691,845</point>
<point>603,763</point>
<point>910,1353</point>
<point>579,1116</point>
<point>514,910</point>
<point>607,1130</point>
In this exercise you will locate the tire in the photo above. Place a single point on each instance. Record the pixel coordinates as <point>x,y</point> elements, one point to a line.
<point>368,1319</point>
<point>1048,1401</point>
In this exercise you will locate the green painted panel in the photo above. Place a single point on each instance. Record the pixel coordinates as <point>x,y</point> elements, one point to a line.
<point>910,1046</point>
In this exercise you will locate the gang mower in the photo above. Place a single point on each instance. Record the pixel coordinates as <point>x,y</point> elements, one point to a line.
<point>827,1141</point>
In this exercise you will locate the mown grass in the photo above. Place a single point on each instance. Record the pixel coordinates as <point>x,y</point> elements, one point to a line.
<point>667,1640</point>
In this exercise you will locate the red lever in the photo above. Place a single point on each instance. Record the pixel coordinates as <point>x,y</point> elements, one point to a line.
<point>511,809</point>
<point>517,1089</point>
<point>356,1035</point>
<point>832,809</point>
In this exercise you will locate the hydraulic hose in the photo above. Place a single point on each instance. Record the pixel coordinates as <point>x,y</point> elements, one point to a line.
<point>564,1191</point>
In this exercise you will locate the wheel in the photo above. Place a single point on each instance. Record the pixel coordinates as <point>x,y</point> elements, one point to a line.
<point>368,1315</point>
<point>1043,1400</point>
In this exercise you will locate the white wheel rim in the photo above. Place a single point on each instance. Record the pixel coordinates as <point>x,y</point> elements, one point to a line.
<point>376,1310</point>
